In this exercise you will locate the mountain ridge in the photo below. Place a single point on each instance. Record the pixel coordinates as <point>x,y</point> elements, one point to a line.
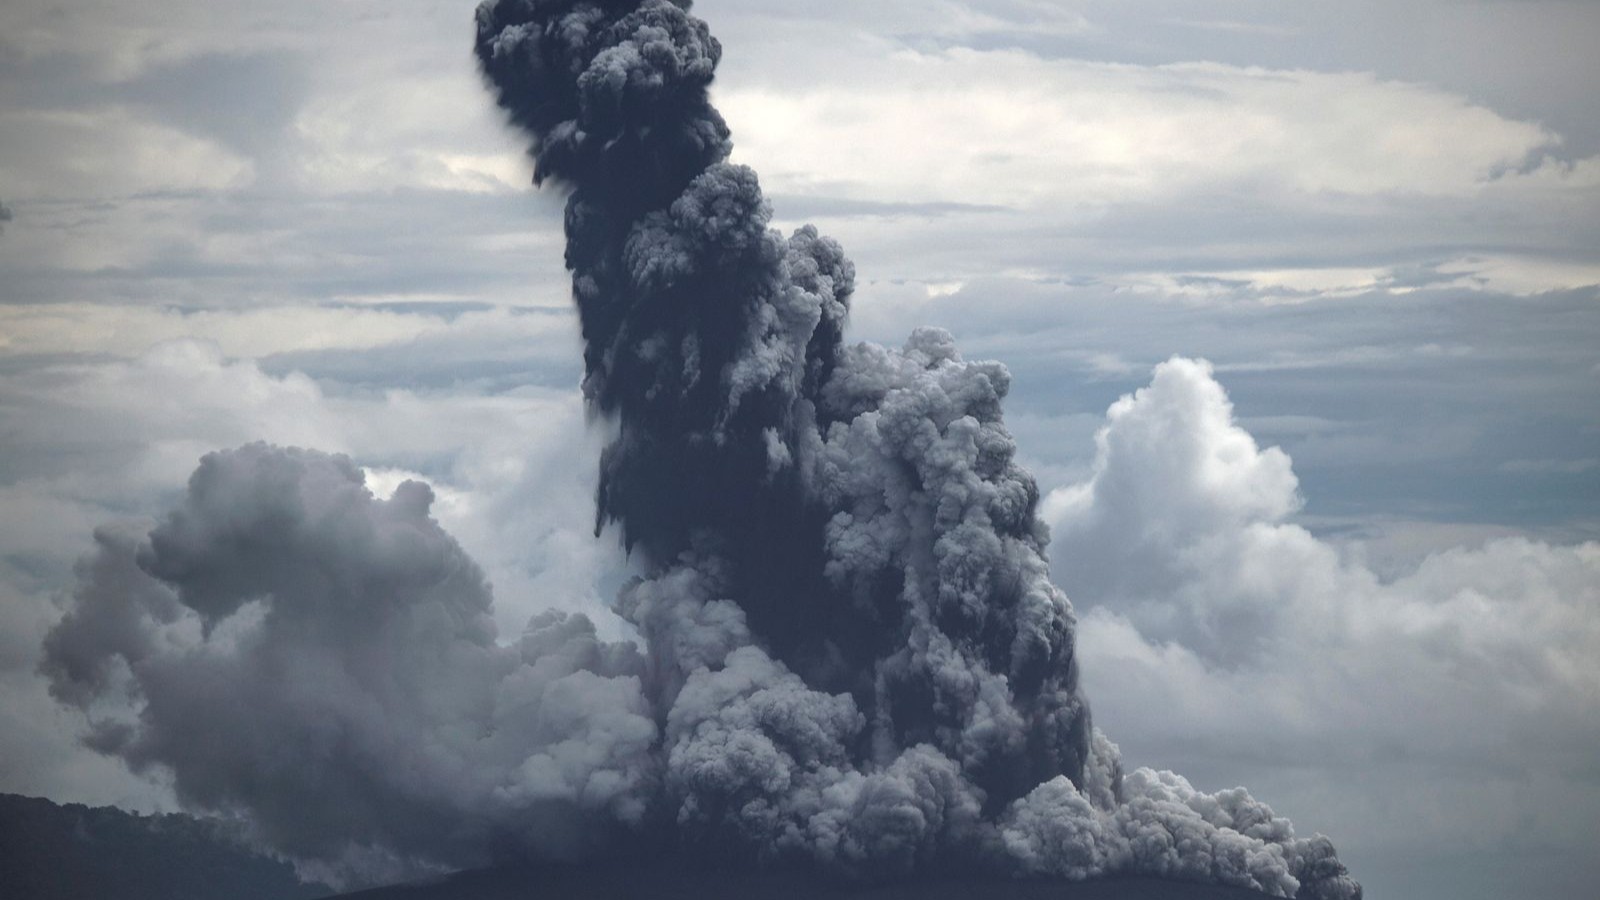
<point>657,881</point>
<point>69,851</point>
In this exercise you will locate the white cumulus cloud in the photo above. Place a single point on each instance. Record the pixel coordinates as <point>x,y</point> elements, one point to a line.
<point>1215,626</point>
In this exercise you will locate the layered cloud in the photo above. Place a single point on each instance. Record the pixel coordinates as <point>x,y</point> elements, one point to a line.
<point>1032,132</point>
<point>112,154</point>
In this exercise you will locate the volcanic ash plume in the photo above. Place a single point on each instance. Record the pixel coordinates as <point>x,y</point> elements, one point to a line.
<point>851,653</point>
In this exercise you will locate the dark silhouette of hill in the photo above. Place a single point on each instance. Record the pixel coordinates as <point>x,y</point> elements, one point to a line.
<point>624,881</point>
<point>51,851</point>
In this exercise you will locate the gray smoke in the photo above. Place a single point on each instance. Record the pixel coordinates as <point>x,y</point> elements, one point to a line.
<point>5,216</point>
<point>851,654</point>
<point>324,663</point>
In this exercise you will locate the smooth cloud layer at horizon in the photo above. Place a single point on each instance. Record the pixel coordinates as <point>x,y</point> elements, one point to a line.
<point>344,229</point>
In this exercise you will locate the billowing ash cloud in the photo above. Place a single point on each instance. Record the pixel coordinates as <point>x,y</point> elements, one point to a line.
<point>850,651</point>
<point>325,663</point>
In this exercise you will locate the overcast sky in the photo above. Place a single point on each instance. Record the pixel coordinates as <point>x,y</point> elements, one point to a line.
<point>1343,561</point>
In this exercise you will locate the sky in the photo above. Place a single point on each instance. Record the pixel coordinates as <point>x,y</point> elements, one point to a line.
<point>1301,303</point>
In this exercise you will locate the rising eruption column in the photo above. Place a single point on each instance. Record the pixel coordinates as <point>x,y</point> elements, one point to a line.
<point>851,654</point>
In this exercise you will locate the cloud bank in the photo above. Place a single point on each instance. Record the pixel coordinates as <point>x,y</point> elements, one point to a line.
<point>1199,591</point>
<point>1181,534</point>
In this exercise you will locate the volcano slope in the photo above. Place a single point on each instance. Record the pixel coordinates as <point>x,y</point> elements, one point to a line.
<point>667,881</point>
